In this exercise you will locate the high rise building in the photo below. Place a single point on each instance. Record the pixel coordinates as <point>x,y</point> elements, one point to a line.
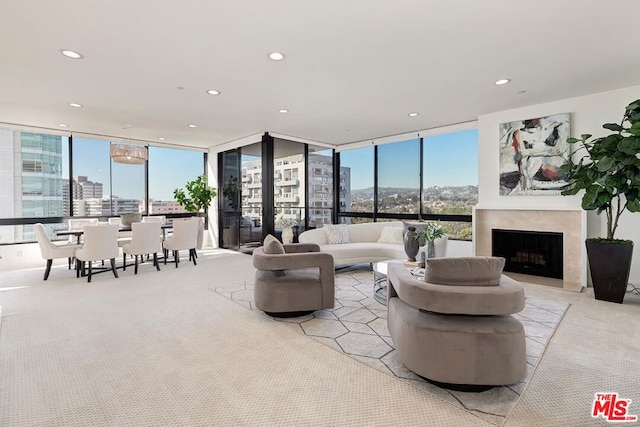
<point>31,180</point>
<point>291,187</point>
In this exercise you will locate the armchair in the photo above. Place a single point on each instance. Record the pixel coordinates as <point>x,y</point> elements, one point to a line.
<point>292,280</point>
<point>455,328</point>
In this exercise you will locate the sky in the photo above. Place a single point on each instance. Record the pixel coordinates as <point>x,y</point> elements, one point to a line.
<point>168,169</point>
<point>449,159</point>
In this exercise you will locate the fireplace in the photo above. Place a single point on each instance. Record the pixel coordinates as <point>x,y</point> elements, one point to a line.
<point>537,253</point>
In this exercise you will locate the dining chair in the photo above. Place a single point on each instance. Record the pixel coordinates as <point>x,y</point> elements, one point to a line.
<point>124,237</point>
<point>185,236</point>
<point>78,223</point>
<point>162,219</point>
<point>146,239</point>
<point>100,243</point>
<point>50,250</point>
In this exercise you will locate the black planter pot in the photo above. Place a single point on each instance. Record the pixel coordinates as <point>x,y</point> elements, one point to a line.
<point>609,264</point>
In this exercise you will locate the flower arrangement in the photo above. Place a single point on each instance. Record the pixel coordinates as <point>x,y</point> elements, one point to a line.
<point>430,233</point>
<point>288,222</point>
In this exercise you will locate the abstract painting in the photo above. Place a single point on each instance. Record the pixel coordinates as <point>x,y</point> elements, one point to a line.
<point>531,153</point>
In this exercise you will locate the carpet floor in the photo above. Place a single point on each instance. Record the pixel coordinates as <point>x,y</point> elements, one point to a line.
<point>163,349</point>
<point>357,327</point>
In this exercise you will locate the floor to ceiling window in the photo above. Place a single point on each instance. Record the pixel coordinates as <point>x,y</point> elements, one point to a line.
<point>392,189</point>
<point>39,183</point>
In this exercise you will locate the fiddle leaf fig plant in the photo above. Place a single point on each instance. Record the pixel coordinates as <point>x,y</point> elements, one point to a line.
<point>609,170</point>
<point>198,195</point>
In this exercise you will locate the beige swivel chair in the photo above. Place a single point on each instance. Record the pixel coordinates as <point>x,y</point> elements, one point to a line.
<point>454,327</point>
<point>100,243</point>
<point>51,251</point>
<point>292,280</point>
<point>146,239</point>
<point>184,237</point>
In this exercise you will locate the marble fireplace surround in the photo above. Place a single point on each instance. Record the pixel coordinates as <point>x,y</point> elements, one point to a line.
<point>571,223</point>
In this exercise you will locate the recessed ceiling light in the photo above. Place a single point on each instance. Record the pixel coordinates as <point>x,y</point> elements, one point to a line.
<point>413,114</point>
<point>283,110</point>
<point>192,126</point>
<point>75,104</point>
<point>503,81</point>
<point>63,125</point>
<point>213,92</point>
<point>276,56</point>
<point>160,138</point>
<point>71,54</point>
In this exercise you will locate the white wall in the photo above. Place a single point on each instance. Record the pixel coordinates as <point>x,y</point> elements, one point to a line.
<point>588,114</point>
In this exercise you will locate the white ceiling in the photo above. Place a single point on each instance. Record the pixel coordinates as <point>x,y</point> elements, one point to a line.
<point>353,71</point>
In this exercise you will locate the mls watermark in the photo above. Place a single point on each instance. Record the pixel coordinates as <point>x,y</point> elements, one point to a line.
<point>612,408</point>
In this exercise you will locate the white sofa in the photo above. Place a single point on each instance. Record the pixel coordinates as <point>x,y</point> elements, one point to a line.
<point>363,244</point>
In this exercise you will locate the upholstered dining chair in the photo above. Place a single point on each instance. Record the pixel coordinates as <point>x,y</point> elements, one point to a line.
<point>185,236</point>
<point>50,250</point>
<point>124,237</point>
<point>100,243</point>
<point>162,219</point>
<point>146,239</point>
<point>78,223</point>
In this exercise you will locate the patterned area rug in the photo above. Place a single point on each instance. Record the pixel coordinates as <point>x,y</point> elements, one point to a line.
<point>357,326</point>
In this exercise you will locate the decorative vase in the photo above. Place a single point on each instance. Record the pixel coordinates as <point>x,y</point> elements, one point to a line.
<point>431,250</point>
<point>411,245</point>
<point>287,235</point>
<point>130,217</point>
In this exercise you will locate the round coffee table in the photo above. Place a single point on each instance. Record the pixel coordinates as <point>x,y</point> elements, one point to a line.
<point>380,277</point>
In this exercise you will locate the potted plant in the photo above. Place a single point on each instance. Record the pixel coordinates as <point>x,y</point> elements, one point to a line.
<point>197,198</point>
<point>609,174</point>
<point>429,234</point>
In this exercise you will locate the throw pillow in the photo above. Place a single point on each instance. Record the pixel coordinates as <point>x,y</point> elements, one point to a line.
<point>391,235</point>
<point>272,246</point>
<point>337,234</point>
<point>464,271</point>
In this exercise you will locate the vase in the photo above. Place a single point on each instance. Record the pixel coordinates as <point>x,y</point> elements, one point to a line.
<point>411,245</point>
<point>431,250</point>
<point>287,235</point>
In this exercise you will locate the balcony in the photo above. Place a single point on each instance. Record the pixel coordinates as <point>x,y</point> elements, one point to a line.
<point>288,182</point>
<point>287,198</point>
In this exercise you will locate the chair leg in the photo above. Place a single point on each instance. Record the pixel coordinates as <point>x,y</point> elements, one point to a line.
<point>155,261</point>
<point>166,254</point>
<point>193,256</point>
<point>113,267</point>
<point>176,257</point>
<point>124,261</point>
<point>48,269</point>
<point>69,261</point>
<point>84,271</point>
<point>195,253</point>
<point>135,269</point>
<point>89,278</point>
<point>77,268</point>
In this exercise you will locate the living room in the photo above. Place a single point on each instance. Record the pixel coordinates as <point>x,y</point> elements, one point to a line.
<point>179,346</point>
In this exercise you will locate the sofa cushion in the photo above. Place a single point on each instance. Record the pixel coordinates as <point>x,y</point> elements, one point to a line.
<point>391,235</point>
<point>464,271</point>
<point>337,234</point>
<point>272,246</point>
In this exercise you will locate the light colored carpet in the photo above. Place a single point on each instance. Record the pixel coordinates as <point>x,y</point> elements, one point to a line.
<point>162,349</point>
<point>357,326</point>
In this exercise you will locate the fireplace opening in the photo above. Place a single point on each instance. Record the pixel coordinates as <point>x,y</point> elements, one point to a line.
<point>538,253</point>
